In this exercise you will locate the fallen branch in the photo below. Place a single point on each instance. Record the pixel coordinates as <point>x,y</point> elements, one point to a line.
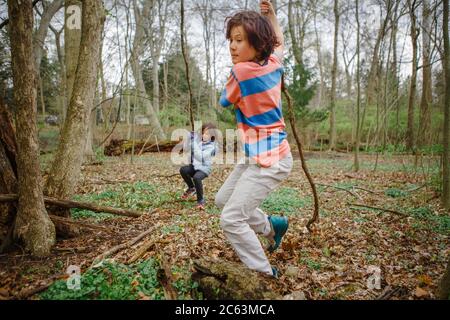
<point>26,293</point>
<point>141,251</point>
<point>63,220</point>
<point>367,190</point>
<point>388,293</point>
<point>70,204</point>
<point>339,188</point>
<point>378,208</point>
<point>169,176</point>
<point>124,245</point>
<point>73,250</point>
<point>291,116</point>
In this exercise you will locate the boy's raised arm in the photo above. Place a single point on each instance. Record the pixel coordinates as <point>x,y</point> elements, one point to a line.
<point>268,11</point>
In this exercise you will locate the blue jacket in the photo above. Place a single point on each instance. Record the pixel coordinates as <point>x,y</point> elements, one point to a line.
<point>202,153</point>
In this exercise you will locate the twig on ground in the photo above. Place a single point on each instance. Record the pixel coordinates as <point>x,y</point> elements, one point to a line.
<point>404,215</point>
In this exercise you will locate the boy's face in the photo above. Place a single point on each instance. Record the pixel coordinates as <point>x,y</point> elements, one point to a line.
<point>240,48</point>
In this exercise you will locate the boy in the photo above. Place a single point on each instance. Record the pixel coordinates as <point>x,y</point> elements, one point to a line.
<point>254,87</point>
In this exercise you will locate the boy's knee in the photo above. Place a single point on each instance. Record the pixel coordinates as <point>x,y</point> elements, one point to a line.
<point>219,201</point>
<point>224,223</point>
<point>183,170</point>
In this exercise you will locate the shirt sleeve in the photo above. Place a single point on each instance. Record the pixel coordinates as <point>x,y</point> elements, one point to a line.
<point>232,93</point>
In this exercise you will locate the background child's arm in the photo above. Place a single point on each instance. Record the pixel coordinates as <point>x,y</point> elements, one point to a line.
<point>268,11</point>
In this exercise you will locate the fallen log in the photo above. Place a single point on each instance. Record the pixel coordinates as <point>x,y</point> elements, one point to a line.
<point>222,280</point>
<point>70,204</point>
<point>118,147</point>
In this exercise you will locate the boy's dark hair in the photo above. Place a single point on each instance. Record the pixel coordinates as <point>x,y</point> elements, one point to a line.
<point>260,33</point>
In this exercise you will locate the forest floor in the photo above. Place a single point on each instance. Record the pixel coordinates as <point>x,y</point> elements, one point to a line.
<point>410,244</point>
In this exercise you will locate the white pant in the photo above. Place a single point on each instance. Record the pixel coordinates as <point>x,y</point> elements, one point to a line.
<point>244,190</point>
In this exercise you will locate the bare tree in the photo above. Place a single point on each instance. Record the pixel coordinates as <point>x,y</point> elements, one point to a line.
<point>410,141</point>
<point>136,53</point>
<point>67,163</point>
<point>156,38</point>
<point>358,89</point>
<point>426,100</point>
<point>185,57</point>
<point>333,77</point>
<point>32,225</point>
<point>49,11</point>
<point>446,140</point>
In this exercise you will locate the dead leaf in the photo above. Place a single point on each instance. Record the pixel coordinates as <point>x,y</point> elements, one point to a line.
<point>420,293</point>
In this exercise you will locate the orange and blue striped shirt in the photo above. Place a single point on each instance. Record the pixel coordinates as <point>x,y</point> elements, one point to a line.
<point>255,91</point>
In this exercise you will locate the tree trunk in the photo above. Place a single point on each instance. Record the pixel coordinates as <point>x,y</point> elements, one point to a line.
<point>374,66</point>
<point>185,56</point>
<point>72,37</point>
<point>157,40</point>
<point>32,226</point>
<point>394,73</point>
<point>333,78</point>
<point>319,62</point>
<point>412,89</point>
<point>8,176</point>
<point>69,156</point>
<point>358,90</point>
<point>446,140</point>
<point>137,70</point>
<point>444,286</point>
<point>426,100</point>
<point>291,24</point>
<point>62,64</point>
<point>41,34</point>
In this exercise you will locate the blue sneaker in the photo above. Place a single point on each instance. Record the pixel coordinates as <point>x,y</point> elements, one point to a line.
<point>279,226</point>
<point>275,272</point>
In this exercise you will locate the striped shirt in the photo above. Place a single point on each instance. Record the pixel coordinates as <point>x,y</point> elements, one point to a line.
<point>255,91</point>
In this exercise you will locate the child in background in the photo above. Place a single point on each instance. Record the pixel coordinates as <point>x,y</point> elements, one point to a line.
<point>202,150</point>
<point>254,87</point>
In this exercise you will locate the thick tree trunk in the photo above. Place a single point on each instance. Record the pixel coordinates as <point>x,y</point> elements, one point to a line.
<point>410,141</point>
<point>66,166</point>
<point>426,100</point>
<point>72,38</point>
<point>32,225</point>
<point>333,78</point>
